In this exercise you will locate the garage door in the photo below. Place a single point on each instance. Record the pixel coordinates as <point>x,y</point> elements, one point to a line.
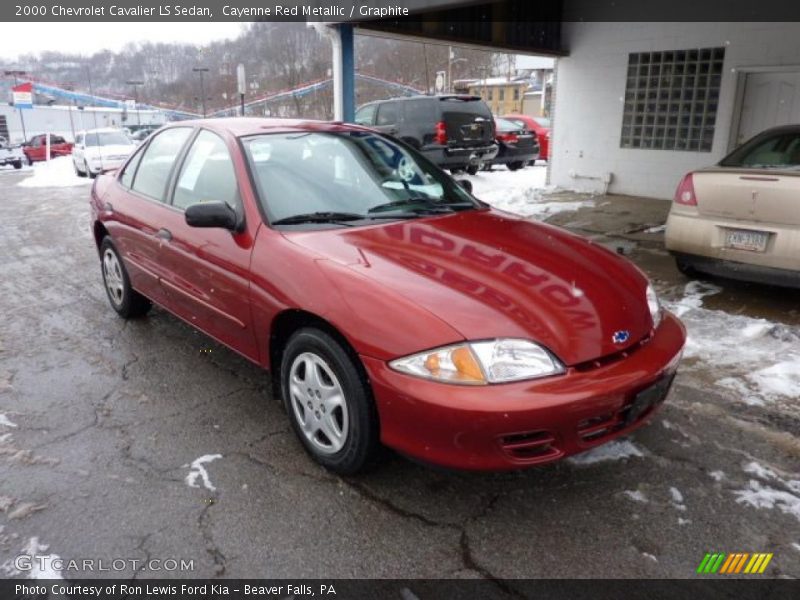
<point>770,99</point>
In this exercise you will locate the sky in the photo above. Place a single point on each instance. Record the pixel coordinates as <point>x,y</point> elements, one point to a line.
<point>87,38</point>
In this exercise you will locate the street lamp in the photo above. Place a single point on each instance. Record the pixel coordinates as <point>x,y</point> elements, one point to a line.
<point>202,70</point>
<point>136,83</point>
<point>16,73</point>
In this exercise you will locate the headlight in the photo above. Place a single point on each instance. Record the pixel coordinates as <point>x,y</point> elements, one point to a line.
<point>479,363</point>
<point>654,305</point>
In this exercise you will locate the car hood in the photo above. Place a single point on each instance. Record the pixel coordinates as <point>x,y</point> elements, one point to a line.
<point>490,274</point>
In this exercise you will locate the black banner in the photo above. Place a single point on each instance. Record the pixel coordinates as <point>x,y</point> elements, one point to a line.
<point>391,589</point>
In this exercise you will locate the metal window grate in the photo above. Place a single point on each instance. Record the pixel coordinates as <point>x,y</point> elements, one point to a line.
<point>671,99</point>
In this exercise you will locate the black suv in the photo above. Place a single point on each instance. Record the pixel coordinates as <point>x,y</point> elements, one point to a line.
<point>454,132</point>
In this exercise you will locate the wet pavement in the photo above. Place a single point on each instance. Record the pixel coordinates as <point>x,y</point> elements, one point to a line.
<point>102,421</point>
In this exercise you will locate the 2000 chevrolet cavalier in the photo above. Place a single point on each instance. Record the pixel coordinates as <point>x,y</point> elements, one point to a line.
<point>391,306</point>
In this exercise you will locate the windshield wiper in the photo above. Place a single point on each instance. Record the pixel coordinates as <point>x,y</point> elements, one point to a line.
<point>340,218</point>
<point>427,206</point>
<point>320,217</point>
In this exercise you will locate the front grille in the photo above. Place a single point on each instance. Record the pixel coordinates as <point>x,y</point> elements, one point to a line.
<point>530,446</point>
<point>608,359</point>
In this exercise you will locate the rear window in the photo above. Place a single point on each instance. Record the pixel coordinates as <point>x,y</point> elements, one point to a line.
<point>767,151</point>
<point>471,106</point>
<point>419,110</point>
<point>507,125</point>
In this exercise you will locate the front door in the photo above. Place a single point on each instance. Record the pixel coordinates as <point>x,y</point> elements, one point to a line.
<point>207,269</point>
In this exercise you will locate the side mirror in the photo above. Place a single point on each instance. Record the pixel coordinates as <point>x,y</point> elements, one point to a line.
<point>212,214</point>
<point>465,183</point>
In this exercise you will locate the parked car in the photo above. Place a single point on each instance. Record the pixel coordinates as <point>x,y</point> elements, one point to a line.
<point>97,150</point>
<point>141,134</point>
<point>455,132</point>
<point>390,305</point>
<point>35,149</point>
<point>540,126</point>
<point>517,145</point>
<point>739,219</point>
<point>10,155</point>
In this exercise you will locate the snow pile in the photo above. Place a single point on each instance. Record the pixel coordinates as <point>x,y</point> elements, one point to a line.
<point>58,172</point>
<point>762,357</point>
<point>198,471</point>
<point>616,450</point>
<point>758,495</point>
<point>521,192</point>
<point>636,495</point>
<point>5,421</point>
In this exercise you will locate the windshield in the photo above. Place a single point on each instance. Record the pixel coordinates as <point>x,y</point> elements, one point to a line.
<point>107,138</point>
<point>355,174</point>
<point>767,151</point>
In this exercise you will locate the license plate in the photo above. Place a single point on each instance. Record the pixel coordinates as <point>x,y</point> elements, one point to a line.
<point>647,398</point>
<point>743,239</point>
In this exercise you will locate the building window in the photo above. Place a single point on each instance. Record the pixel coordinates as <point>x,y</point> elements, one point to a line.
<point>489,94</point>
<point>501,94</point>
<point>671,99</point>
<point>516,93</point>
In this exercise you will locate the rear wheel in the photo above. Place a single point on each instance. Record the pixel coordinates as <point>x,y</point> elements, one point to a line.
<point>124,299</point>
<point>473,169</point>
<point>17,164</point>
<point>515,166</point>
<point>685,267</point>
<point>329,402</point>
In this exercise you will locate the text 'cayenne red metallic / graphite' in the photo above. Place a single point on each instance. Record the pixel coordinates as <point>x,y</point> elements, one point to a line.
<point>389,304</point>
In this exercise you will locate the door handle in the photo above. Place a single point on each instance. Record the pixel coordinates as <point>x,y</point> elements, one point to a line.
<point>164,234</point>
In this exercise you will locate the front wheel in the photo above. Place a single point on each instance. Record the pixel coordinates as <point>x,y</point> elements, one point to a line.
<point>329,402</point>
<point>515,166</point>
<point>88,171</point>
<point>124,299</point>
<point>473,169</point>
<point>78,172</point>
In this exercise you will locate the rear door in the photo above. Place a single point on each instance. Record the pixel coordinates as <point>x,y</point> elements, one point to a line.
<point>138,209</point>
<point>207,270</point>
<point>387,117</point>
<point>468,121</point>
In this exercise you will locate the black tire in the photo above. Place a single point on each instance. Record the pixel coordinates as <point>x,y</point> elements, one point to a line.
<point>17,164</point>
<point>515,166</point>
<point>686,268</point>
<point>456,170</point>
<point>361,446</point>
<point>129,303</point>
<point>89,171</point>
<point>78,172</point>
<point>472,169</point>
<point>30,162</point>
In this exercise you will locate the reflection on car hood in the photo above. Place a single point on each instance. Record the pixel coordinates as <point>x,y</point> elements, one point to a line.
<point>490,274</point>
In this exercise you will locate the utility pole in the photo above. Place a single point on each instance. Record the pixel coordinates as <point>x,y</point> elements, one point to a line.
<point>136,83</point>
<point>241,84</point>
<point>202,70</point>
<point>15,73</point>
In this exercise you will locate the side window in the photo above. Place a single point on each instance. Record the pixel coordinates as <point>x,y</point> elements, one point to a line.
<point>54,139</point>
<point>126,178</point>
<point>387,114</point>
<point>79,139</point>
<point>207,174</point>
<point>420,111</point>
<point>157,161</point>
<point>366,114</point>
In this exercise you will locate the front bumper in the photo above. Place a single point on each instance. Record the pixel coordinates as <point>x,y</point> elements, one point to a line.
<point>514,425</point>
<point>510,154</point>
<point>96,167</point>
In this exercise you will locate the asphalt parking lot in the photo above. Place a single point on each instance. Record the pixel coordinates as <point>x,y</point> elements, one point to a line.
<point>146,440</point>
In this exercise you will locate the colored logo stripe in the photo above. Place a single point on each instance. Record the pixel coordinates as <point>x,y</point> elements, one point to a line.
<point>737,562</point>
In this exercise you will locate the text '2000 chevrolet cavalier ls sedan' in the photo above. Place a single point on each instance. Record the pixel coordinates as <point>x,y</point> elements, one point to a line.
<point>390,305</point>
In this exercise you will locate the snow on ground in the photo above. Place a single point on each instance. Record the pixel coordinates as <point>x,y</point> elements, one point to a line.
<point>677,498</point>
<point>41,564</point>
<point>521,192</point>
<point>58,172</point>
<point>5,421</point>
<point>615,450</point>
<point>635,495</point>
<point>785,497</point>
<point>759,358</point>
<point>199,471</point>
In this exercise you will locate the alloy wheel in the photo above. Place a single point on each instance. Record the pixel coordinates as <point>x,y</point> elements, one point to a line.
<point>112,276</point>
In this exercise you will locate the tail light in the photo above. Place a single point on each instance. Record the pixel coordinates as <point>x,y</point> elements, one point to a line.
<point>440,137</point>
<point>685,193</point>
<point>508,138</point>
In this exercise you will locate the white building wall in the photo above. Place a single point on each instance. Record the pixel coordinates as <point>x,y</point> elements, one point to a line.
<point>591,88</point>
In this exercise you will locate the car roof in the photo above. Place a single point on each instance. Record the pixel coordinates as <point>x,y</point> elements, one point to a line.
<point>245,126</point>
<point>101,130</point>
<point>424,97</point>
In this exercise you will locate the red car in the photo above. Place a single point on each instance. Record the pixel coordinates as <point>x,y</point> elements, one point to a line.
<point>390,305</point>
<point>36,149</point>
<point>540,126</point>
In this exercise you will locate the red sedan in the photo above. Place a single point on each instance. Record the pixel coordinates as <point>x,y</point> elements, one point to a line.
<point>36,148</point>
<point>389,304</point>
<point>540,126</point>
